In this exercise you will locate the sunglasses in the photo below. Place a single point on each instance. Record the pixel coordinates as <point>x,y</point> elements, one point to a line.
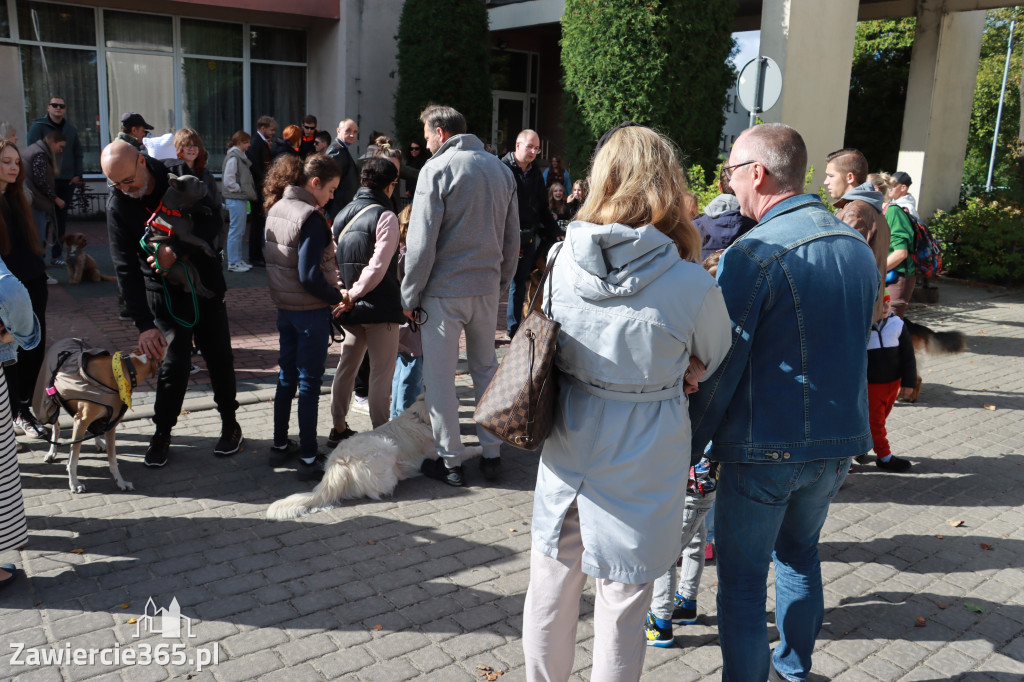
<point>55,105</point>
<point>414,149</point>
<point>309,127</point>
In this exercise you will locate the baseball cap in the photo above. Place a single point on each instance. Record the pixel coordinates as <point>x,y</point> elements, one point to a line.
<point>901,178</point>
<point>130,119</point>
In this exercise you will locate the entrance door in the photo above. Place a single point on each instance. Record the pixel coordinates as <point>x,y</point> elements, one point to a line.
<point>510,116</point>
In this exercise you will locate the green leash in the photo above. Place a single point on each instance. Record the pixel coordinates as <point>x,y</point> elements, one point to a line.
<point>167,293</point>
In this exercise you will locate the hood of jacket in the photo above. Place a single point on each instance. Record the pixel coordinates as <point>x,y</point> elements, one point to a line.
<point>617,260</point>
<point>465,142</point>
<point>866,193</point>
<point>723,203</point>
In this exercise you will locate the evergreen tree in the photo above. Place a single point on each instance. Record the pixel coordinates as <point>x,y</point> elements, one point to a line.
<point>662,63</point>
<point>443,58</point>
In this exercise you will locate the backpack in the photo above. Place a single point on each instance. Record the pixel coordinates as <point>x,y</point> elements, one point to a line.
<point>927,251</point>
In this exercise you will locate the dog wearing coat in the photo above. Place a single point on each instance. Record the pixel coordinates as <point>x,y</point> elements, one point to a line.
<point>369,464</point>
<point>97,388</point>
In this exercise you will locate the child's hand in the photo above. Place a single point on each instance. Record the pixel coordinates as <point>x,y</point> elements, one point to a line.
<point>906,391</point>
<point>693,375</point>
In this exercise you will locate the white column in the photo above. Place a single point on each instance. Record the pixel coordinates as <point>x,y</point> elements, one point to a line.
<point>812,41</point>
<point>940,94</point>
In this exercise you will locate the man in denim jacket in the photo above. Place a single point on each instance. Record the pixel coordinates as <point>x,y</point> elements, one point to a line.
<point>18,324</point>
<point>787,409</point>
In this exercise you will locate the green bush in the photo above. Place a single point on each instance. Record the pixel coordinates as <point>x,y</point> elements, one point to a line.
<point>982,239</point>
<point>444,57</point>
<point>662,64</point>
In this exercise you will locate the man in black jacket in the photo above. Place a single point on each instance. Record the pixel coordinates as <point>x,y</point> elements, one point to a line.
<point>69,175</point>
<point>259,154</point>
<point>535,220</point>
<point>165,315</point>
<point>339,150</point>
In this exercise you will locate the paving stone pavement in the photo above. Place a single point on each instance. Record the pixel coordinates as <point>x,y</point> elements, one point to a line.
<point>429,584</point>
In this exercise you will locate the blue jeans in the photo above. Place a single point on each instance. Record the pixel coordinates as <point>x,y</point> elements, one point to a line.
<point>764,512</point>
<point>40,220</point>
<point>407,384</point>
<point>304,336</point>
<point>236,229</point>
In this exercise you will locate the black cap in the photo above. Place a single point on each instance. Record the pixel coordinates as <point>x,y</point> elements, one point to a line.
<point>901,178</point>
<point>130,119</point>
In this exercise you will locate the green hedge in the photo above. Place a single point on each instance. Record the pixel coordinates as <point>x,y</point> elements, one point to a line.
<point>982,239</point>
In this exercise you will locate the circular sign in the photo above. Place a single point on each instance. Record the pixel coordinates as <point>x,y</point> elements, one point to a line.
<point>759,84</point>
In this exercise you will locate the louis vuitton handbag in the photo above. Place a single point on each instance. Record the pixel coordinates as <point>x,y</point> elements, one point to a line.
<point>519,404</point>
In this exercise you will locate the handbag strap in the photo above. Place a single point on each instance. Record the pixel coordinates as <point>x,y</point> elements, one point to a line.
<point>354,218</point>
<point>544,277</point>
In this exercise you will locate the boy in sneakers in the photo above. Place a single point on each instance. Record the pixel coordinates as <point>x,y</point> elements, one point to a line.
<point>892,373</point>
<point>675,601</point>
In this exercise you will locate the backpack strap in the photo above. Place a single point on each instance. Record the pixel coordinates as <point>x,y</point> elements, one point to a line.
<point>354,219</point>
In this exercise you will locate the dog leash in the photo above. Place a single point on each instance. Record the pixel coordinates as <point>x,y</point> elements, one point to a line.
<point>167,293</point>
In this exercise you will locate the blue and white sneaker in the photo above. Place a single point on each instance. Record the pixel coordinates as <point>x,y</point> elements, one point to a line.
<point>685,611</point>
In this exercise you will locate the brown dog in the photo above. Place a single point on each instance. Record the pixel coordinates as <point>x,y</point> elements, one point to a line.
<point>82,266</point>
<point>935,343</point>
<point>85,412</point>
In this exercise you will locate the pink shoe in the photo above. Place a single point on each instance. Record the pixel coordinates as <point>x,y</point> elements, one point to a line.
<point>709,551</point>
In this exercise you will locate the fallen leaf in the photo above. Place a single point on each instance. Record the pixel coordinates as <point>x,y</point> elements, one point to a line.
<point>513,530</point>
<point>920,622</point>
<point>1006,535</point>
<point>124,606</point>
<point>495,675</point>
<point>371,542</point>
<point>989,407</point>
<point>378,627</point>
<point>942,606</point>
<point>133,621</point>
<point>939,536</point>
<point>971,606</point>
<point>78,551</point>
<point>956,524</point>
<point>986,547</point>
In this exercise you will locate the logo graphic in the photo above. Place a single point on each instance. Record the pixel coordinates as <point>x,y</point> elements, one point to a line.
<point>165,622</point>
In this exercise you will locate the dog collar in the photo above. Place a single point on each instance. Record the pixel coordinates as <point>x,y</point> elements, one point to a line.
<point>124,388</point>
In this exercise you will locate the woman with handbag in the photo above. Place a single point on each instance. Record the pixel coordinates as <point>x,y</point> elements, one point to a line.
<point>367,235</point>
<point>303,280</point>
<point>636,312</point>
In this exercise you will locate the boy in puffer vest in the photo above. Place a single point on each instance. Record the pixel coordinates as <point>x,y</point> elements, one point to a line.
<point>892,373</point>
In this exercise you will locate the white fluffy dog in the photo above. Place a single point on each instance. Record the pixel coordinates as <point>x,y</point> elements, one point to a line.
<point>369,464</point>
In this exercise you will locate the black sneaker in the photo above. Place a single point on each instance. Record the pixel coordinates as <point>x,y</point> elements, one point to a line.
<point>656,635</point>
<point>282,454</point>
<point>490,467</point>
<point>335,436</point>
<point>895,465</point>
<point>156,453</point>
<point>684,611</point>
<point>230,440</point>
<point>436,469</point>
<point>312,471</point>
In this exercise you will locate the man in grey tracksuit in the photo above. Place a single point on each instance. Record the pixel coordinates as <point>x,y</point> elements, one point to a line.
<point>461,252</point>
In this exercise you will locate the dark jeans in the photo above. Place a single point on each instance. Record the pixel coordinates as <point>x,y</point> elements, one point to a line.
<point>65,191</point>
<point>257,222</point>
<point>304,337</point>
<point>517,289</point>
<point>213,338</point>
<point>21,377</point>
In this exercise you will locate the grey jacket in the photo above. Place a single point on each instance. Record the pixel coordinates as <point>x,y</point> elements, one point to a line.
<point>464,230</point>
<point>237,178</point>
<point>632,314</point>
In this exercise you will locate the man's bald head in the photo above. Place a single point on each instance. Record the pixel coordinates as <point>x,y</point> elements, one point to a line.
<point>527,146</point>
<point>125,167</point>
<point>347,131</point>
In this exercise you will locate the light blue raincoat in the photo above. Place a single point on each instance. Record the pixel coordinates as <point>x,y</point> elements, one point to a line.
<point>632,313</point>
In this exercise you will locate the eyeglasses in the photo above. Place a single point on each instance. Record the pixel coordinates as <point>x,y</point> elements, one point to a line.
<point>57,105</point>
<point>414,149</point>
<point>305,127</point>
<point>531,148</point>
<point>114,184</point>
<point>728,169</point>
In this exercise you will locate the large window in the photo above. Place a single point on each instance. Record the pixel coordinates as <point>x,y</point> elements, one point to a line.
<point>214,76</point>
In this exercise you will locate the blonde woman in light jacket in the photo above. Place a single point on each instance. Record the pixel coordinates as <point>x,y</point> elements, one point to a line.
<point>239,188</point>
<point>635,309</point>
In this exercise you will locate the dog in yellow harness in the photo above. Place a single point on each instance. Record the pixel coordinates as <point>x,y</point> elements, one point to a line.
<point>95,388</point>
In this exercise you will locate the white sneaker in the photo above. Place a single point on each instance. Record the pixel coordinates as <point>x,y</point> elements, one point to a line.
<point>240,266</point>
<point>19,429</point>
<point>50,279</point>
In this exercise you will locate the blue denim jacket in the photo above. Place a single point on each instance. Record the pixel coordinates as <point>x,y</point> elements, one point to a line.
<point>800,288</point>
<point>16,314</point>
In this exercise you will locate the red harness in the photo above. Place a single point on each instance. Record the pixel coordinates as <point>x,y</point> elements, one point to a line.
<point>163,227</point>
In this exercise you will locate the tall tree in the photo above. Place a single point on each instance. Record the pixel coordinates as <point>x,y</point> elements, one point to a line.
<point>878,89</point>
<point>986,101</point>
<point>444,57</point>
<point>662,63</point>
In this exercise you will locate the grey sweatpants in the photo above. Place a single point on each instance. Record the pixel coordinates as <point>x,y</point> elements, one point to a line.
<point>446,319</point>
<point>687,581</point>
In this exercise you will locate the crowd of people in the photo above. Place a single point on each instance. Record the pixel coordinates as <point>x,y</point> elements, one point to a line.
<point>683,390</point>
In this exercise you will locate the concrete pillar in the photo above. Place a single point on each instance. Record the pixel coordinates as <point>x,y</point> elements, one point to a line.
<point>12,104</point>
<point>940,94</point>
<point>812,41</point>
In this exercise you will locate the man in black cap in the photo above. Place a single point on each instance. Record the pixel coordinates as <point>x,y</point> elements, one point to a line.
<point>133,129</point>
<point>901,195</point>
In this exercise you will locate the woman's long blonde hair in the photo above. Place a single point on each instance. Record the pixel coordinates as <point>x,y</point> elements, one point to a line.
<point>636,180</point>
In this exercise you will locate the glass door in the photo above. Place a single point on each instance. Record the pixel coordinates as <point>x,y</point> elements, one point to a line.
<point>510,116</point>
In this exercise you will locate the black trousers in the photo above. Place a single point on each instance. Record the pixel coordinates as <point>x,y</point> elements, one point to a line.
<point>517,288</point>
<point>213,337</point>
<point>65,191</point>
<point>257,223</point>
<point>21,376</point>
